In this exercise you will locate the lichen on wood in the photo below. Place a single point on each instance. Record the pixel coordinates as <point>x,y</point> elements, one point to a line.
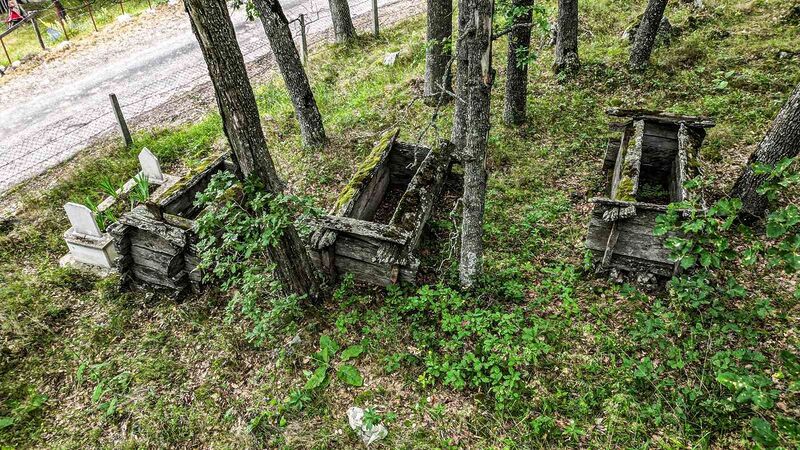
<point>365,169</point>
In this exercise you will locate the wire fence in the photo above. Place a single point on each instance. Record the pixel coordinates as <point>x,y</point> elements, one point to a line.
<point>155,98</point>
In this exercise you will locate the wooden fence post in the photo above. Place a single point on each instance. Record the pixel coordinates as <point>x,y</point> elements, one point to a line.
<point>375,16</point>
<point>123,126</point>
<point>303,43</point>
<point>5,51</point>
<point>89,8</point>
<point>38,33</point>
<point>63,27</point>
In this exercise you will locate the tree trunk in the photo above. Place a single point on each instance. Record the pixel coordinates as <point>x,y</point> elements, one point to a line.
<point>567,39</point>
<point>343,28</point>
<point>294,76</point>
<point>212,26</point>
<point>479,85</point>
<point>781,141</point>
<point>519,41</point>
<point>458,135</point>
<point>438,52</point>
<point>646,34</point>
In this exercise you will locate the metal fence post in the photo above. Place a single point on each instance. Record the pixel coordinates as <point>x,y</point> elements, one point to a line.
<point>89,8</point>
<point>38,33</point>
<point>122,8</point>
<point>375,16</point>
<point>123,126</point>
<point>303,43</point>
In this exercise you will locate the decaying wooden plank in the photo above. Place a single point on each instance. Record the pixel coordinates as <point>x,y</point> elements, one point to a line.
<point>624,204</point>
<point>660,116</point>
<point>613,237</point>
<point>179,199</point>
<point>635,239</point>
<point>404,161</point>
<point>164,264</point>
<point>350,202</point>
<point>417,203</point>
<point>620,158</point>
<point>661,130</point>
<point>374,273</point>
<point>371,196</point>
<point>375,230</point>
<point>157,280</point>
<point>367,171</point>
<point>612,150</point>
<point>626,179</point>
<point>140,218</point>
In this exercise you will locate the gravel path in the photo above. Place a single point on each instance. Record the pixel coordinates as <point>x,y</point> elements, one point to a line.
<point>52,111</point>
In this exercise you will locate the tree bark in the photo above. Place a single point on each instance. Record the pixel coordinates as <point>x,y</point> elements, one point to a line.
<point>343,29</point>
<point>781,141</point>
<point>567,39</point>
<point>458,135</point>
<point>212,26</point>
<point>479,84</point>
<point>438,52</point>
<point>519,41</point>
<point>277,29</point>
<point>646,34</point>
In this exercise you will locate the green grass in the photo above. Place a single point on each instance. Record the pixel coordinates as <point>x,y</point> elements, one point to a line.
<point>544,355</point>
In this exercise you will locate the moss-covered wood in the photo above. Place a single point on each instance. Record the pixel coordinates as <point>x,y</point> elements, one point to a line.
<point>655,156</point>
<point>353,241</point>
<point>156,241</point>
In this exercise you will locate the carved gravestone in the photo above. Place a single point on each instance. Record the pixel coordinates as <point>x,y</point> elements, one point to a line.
<point>150,166</point>
<point>88,246</point>
<point>82,219</point>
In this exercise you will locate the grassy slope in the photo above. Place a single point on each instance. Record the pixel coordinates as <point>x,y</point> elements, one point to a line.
<point>181,375</point>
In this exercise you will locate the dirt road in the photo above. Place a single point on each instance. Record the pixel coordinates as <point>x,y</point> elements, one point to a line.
<point>54,110</point>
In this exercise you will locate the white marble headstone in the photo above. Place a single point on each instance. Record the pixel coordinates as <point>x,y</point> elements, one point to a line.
<point>150,166</point>
<point>82,219</point>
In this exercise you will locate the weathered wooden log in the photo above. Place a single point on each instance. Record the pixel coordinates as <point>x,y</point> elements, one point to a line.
<point>388,233</point>
<point>141,219</point>
<point>663,117</point>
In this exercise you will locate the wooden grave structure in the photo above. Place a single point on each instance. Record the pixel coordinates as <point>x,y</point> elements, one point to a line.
<point>376,225</point>
<point>92,249</point>
<point>156,241</point>
<point>646,170</point>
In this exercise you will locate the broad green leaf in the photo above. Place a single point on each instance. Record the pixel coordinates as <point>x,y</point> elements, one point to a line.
<point>352,352</point>
<point>350,375</point>
<point>775,229</point>
<point>328,344</point>
<point>6,422</point>
<point>762,433</point>
<point>788,426</point>
<point>98,392</point>
<point>791,362</point>
<point>687,261</point>
<point>317,378</point>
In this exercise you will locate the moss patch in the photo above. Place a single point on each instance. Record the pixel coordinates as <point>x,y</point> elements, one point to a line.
<point>365,169</point>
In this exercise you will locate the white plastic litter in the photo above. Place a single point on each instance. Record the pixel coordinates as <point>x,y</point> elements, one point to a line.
<point>355,416</point>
